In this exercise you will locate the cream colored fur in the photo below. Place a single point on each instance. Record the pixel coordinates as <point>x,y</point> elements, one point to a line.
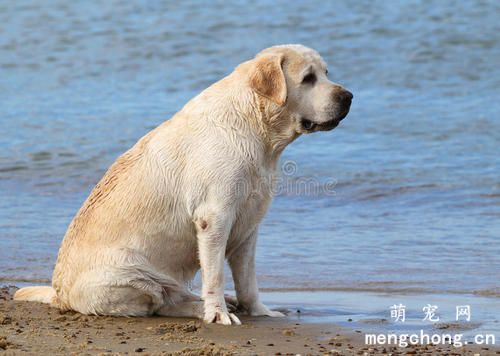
<point>188,195</point>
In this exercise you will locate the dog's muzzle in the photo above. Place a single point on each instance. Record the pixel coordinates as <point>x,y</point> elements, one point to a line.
<point>343,99</point>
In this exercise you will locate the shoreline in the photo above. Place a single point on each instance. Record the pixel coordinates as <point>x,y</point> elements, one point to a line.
<point>34,328</point>
<point>366,287</point>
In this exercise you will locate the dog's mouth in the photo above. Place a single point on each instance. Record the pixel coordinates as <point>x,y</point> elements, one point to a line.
<point>307,125</point>
<point>311,126</point>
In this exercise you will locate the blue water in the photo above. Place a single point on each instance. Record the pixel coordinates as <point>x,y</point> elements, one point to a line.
<point>371,312</point>
<point>415,167</point>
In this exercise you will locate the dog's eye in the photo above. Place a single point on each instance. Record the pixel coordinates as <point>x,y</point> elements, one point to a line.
<point>326,71</point>
<point>309,79</point>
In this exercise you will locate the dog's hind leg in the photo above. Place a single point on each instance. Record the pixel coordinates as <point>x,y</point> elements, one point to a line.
<point>113,291</point>
<point>193,309</point>
<point>132,288</point>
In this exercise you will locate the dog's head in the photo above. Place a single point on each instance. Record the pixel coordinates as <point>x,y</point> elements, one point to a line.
<point>294,79</point>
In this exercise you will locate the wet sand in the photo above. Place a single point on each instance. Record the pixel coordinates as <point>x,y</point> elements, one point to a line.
<point>35,328</point>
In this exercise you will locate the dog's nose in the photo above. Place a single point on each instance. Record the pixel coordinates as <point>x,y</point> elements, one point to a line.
<point>348,95</point>
<point>344,97</point>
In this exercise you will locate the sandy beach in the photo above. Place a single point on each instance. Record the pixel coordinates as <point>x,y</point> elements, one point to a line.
<point>33,328</point>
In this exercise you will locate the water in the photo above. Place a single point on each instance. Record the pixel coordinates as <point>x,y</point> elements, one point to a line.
<point>416,163</point>
<point>370,311</point>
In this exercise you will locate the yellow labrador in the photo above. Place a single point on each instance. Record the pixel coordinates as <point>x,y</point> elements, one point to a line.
<point>192,193</point>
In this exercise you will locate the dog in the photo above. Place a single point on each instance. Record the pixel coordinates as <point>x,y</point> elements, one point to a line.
<point>190,194</point>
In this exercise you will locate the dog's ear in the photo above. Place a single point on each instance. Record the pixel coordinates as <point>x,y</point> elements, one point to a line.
<point>267,78</point>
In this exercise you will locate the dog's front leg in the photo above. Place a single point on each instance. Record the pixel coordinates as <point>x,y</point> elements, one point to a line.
<point>212,234</point>
<point>242,263</point>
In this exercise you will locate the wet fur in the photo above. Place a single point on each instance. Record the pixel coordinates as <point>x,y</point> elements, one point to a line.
<point>188,195</point>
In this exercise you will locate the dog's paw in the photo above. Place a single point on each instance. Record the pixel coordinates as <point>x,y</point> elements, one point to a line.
<point>219,316</point>
<point>275,314</point>
<point>231,303</point>
<point>261,310</point>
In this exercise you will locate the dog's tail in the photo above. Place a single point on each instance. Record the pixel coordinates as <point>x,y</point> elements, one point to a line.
<point>36,294</point>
